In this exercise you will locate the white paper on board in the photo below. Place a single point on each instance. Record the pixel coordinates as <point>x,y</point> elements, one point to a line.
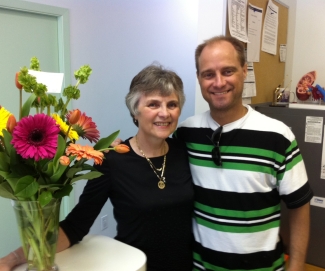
<point>318,201</point>
<point>52,80</point>
<point>270,28</point>
<point>249,83</point>
<point>237,13</point>
<point>283,52</point>
<point>254,27</point>
<point>313,129</point>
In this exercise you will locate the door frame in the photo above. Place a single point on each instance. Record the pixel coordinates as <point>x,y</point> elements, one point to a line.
<point>62,16</point>
<point>63,23</point>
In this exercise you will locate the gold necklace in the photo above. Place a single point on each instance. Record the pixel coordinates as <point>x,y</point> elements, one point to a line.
<point>161,178</point>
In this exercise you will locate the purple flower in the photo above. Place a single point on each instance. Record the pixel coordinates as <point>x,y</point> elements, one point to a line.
<point>36,137</point>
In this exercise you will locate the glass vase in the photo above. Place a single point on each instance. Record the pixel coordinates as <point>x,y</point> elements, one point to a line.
<point>38,229</point>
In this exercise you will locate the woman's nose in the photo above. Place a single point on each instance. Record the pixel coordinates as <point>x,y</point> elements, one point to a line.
<point>163,112</point>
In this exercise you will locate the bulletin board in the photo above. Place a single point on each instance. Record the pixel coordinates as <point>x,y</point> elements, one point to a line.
<point>269,72</point>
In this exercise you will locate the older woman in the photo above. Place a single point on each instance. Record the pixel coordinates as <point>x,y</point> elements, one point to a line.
<point>150,187</point>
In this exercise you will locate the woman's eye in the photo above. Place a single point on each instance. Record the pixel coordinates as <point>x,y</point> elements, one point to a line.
<point>153,105</point>
<point>172,105</point>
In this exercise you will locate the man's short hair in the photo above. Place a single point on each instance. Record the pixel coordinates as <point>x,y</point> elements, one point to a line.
<point>238,45</point>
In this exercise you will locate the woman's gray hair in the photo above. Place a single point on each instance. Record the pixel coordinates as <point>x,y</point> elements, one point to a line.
<point>153,78</point>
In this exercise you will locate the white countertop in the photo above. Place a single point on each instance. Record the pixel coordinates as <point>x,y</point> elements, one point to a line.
<point>99,253</point>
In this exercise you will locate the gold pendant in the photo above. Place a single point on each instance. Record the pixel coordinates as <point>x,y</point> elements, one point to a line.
<point>161,184</point>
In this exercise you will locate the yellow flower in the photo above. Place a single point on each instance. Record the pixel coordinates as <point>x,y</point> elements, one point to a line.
<point>73,135</point>
<point>4,115</point>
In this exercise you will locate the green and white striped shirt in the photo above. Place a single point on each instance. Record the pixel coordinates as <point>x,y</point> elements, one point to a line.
<point>237,205</point>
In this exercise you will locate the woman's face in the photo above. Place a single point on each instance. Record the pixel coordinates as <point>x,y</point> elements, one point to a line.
<point>157,115</point>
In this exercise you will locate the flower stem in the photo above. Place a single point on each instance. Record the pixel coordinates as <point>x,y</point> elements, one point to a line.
<point>38,227</point>
<point>20,103</point>
<point>106,149</point>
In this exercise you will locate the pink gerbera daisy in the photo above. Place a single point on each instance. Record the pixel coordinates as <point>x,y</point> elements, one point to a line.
<point>36,137</point>
<point>86,128</point>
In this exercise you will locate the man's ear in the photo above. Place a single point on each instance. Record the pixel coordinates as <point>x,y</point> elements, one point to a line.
<point>245,70</point>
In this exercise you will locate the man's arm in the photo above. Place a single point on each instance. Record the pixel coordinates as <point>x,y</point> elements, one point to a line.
<point>299,223</point>
<point>17,257</point>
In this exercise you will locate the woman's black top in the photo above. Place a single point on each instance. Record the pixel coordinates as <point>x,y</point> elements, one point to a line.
<point>156,221</point>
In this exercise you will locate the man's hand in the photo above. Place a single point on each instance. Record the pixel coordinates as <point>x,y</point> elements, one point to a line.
<point>116,142</point>
<point>13,259</point>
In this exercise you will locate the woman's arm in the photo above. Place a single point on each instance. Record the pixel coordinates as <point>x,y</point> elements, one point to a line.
<point>17,257</point>
<point>63,241</point>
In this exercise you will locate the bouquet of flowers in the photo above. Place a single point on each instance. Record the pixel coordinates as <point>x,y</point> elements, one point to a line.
<point>39,157</point>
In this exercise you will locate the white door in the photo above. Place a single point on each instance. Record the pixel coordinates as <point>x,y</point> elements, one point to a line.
<point>27,30</point>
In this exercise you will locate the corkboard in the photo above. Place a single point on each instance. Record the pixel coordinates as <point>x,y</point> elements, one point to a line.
<point>269,72</point>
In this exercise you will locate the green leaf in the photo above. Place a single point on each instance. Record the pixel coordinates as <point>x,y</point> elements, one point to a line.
<point>15,159</point>
<point>43,180</point>
<point>42,164</point>
<point>13,179</point>
<point>49,171</point>
<point>60,151</point>
<point>44,198</point>
<point>72,171</point>
<point>106,141</point>
<point>65,191</point>
<point>7,139</point>
<point>4,174</point>
<point>86,166</point>
<point>58,173</point>
<point>26,187</point>
<point>27,105</point>
<point>6,191</point>
<point>2,148</point>
<point>4,162</point>
<point>21,169</point>
<point>87,176</point>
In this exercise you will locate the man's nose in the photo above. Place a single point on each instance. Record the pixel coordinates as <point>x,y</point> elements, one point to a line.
<point>219,81</point>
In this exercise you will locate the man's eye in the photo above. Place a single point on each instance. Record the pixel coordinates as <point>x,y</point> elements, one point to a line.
<point>228,72</point>
<point>208,75</point>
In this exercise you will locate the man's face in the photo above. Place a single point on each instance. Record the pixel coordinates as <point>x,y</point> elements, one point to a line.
<point>221,77</point>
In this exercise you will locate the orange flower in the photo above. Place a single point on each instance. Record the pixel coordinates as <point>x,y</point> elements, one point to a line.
<point>121,148</point>
<point>11,123</point>
<point>64,160</point>
<point>74,116</point>
<point>87,152</point>
<point>18,85</point>
<point>86,128</point>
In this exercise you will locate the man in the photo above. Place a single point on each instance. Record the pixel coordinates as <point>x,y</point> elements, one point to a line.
<point>243,163</point>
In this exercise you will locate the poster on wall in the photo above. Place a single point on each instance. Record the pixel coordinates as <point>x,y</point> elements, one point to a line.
<point>270,28</point>
<point>237,13</point>
<point>254,33</point>
<point>249,83</point>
